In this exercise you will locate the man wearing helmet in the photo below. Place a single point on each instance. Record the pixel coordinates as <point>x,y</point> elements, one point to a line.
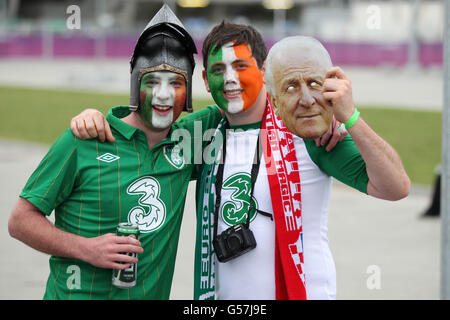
<point>141,178</point>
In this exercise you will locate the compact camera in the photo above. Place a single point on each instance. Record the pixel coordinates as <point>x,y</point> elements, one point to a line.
<point>234,242</point>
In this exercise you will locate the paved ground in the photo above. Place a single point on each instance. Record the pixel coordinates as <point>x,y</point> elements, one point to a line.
<point>383,250</point>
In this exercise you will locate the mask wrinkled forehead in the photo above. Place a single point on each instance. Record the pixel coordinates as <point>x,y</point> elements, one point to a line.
<point>296,52</point>
<point>304,49</point>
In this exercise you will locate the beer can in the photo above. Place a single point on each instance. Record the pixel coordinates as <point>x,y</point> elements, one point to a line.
<point>126,278</point>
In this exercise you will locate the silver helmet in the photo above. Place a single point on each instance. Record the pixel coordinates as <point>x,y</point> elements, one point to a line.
<point>163,45</point>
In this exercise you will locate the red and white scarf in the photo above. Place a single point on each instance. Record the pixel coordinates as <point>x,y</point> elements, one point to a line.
<point>285,190</point>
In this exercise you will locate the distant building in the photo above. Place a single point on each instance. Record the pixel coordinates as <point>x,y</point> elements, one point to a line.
<point>355,32</point>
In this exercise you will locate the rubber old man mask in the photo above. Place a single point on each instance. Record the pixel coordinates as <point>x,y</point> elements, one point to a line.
<point>233,77</point>
<point>295,73</point>
<point>162,98</point>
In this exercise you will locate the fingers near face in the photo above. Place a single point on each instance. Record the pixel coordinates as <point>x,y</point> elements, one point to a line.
<point>108,132</point>
<point>336,72</point>
<point>99,126</point>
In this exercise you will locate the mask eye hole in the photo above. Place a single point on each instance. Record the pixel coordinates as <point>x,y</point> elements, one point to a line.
<point>291,88</point>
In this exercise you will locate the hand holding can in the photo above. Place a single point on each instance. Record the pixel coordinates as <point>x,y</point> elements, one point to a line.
<point>126,278</point>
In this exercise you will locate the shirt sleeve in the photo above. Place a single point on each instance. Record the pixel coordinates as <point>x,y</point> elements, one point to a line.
<point>201,126</point>
<point>344,162</point>
<point>53,180</point>
<point>209,118</point>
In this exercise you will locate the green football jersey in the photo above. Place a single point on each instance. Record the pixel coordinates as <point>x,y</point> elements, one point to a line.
<point>93,186</point>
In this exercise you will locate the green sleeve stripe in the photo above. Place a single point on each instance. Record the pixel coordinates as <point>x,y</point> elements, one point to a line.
<point>81,206</point>
<point>43,207</point>
<point>59,172</point>
<point>99,189</point>
<point>138,158</point>
<point>59,198</point>
<point>92,283</point>
<point>48,158</point>
<point>56,278</point>
<point>211,113</point>
<point>50,183</point>
<point>344,162</point>
<point>118,183</point>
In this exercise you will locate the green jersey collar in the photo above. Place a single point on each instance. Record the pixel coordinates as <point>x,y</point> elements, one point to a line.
<point>248,126</point>
<point>114,116</point>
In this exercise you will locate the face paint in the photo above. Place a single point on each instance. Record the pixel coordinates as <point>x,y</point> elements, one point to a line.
<point>162,98</point>
<point>233,77</point>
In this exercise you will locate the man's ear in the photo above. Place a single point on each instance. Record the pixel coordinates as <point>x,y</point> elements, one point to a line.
<point>205,80</point>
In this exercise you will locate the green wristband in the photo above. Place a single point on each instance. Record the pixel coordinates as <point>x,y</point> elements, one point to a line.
<point>350,122</point>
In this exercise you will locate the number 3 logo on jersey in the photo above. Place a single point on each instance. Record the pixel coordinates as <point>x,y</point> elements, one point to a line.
<point>151,212</point>
<point>236,210</point>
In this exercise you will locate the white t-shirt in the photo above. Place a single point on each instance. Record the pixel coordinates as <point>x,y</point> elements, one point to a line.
<point>252,275</point>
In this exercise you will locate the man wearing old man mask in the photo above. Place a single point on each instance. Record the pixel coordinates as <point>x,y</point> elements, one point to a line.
<point>306,90</point>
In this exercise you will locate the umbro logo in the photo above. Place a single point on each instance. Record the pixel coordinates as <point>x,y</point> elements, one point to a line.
<point>108,157</point>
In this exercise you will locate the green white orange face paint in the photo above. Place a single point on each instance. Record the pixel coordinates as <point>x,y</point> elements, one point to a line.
<point>162,98</point>
<point>233,77</point>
